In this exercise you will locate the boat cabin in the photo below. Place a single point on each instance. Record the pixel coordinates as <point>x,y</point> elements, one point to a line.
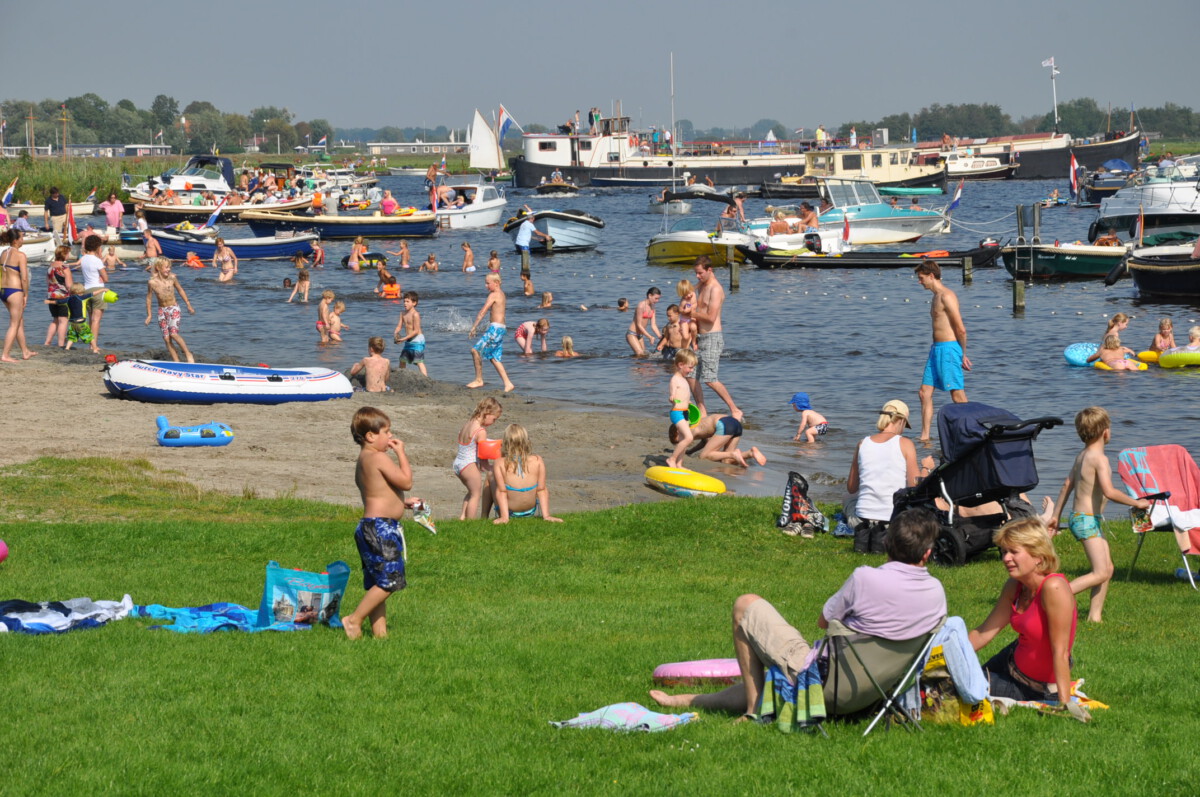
<point>200,173</point>
<point>888,166</point>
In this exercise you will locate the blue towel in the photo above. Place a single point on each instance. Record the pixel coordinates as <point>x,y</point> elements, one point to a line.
<point>213,617</point>
<point>795,707</point>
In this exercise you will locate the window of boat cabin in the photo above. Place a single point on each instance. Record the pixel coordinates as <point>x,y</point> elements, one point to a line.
<point>852,162</point>
<point>584,144</point>
<point>547,146</point>
<point>877,161</point>
<point>894,159</point>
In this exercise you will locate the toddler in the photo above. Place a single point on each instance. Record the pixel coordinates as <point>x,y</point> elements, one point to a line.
<point>812,423</point>
<point>335,322</point>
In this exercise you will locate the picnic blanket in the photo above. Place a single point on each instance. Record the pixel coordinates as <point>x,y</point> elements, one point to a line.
<point>58,617</point>
<point>627,717</point>
<point>1154,469</point>
<point>212,617</point>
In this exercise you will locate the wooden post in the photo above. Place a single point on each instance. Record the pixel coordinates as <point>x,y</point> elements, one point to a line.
<point>1018,296</point>
<point>734,268</point>
<point>968,270</point>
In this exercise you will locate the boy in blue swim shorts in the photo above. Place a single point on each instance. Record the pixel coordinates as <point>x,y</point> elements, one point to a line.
<point>1091,481</point>
<point>490,344</point>
<point>380,537</point>
<point>679,393</point>
<point>947,356</point>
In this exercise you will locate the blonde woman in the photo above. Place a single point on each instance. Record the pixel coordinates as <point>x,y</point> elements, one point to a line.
<point>225,260</point>
<point>518,483</point>
<point>15,293</point>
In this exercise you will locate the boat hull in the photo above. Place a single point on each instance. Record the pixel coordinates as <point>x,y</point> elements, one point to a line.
<point>572,230</point>
<point>1061,262</point>
<point>177,245</point>
<point>159,381</point>
<point>682,249</point>
<point>198,214</point>
<point>422,224</point>
<point>980,257</point>
<point>1168,271</point>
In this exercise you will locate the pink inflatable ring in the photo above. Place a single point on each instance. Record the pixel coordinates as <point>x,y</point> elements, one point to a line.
<point>691,673</point>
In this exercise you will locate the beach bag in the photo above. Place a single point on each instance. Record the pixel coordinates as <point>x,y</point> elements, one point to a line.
<point>799,514</point>
<point>297,596</point>
<point>940,701</point>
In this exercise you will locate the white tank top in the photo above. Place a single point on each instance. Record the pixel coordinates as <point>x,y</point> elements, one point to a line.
<point>881,472</point>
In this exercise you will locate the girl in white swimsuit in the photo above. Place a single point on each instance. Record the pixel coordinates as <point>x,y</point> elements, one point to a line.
<point>466,462</point>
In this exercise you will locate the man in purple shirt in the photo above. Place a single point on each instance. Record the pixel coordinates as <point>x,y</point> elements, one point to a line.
<point>898,600</point>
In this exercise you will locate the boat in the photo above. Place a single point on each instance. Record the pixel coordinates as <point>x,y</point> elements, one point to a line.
<point>1061,261</point>
<point>1047,156</point>
<point>961,166</point>
<point>35,211</point>
<point>669,207</point>
<point>484,205</point>
<point>690,237</point>
<point>899,167</point>
<point>198,214</point>
<point>1095,186</point>
<point>896,190</point>
<point>162,381</point>
<point>1165,202</point>
<point>557,188</point>
<point>327,178</point>
<point>765,257</point>
<point>201,173</point>
<point>279,246</point>
<point>38,247</point>
<point>569,229</point>
<point>1170,271</point>
<point>420,224</point>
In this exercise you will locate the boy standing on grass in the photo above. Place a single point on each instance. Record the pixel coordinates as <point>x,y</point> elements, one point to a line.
<point>379,536</point>
<point>1091,480</point>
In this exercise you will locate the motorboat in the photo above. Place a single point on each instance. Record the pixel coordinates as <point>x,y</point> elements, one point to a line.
<point>1061,261</point>
<point>692,236</point>
<point>1095,186</point>
<point>1163,201</point>
<point>38,247</point>
<point>1047,156</point>
<point>557,188</point>
<point>888,166</point>
<point>327,178</point>
<point>964,166</point>
<point>415,224</point>
<point>157,213</point>
<point>35,211</point>
<point>279,246</point>
<point>669,207</point>
<point>813,257</point>
<point>483,205</point>
<point>200,174</point>
<point>569,229</point>
<point>1169,271</point>
<point>161,381</point>
<point>407,171</point>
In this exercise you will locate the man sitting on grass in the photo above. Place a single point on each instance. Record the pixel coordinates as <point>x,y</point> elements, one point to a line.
<point>898,600</point>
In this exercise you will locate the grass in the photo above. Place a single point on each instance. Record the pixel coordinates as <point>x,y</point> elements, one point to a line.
<point>502,629</point>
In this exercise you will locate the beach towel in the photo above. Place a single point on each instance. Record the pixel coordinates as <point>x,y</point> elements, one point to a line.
<point>57,617</point>
<point>795,707</point>
<point>627,717</point>
<point>212,617</point>
<point>1154,469</point>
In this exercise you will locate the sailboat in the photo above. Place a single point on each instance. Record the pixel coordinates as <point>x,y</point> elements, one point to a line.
<point>660,204</point>
<point>483,204</point>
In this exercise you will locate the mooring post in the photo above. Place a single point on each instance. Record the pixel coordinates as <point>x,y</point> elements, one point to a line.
<point>1018,295</point>
<point>968,270</point>
<point>734,275</point>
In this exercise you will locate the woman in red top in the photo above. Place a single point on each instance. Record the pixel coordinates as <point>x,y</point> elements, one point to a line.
<point>1038,603</point>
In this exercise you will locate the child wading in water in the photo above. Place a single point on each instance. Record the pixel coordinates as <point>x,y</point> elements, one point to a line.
<point>379,536</point>
<point>466,462</point>
<point>490,345</point>
<point>303,283</point>
<point>327,297</point>
<point>408,331</point>
<point>680,394</point>
<point>1091,481</point>
<point>335,322</point>
<point>568,348</point>
<point>1115,356</point>
<point>493,263</point>
<point>1165,339</point>
<point>812,423</point>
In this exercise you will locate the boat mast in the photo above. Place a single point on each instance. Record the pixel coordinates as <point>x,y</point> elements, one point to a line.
<point>1053,88</point>
<point>673,132</point>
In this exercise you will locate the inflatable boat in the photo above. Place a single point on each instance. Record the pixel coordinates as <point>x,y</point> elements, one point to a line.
<point>206,434</point>
<point>162,381</point>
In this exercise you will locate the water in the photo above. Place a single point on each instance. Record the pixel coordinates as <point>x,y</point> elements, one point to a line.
<point>852,339</point>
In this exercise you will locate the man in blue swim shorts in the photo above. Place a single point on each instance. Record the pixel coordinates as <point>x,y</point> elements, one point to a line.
<point>490,344</point>
<point>948,354</point>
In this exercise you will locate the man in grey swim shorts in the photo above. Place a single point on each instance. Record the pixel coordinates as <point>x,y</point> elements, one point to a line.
<point>710,342</point>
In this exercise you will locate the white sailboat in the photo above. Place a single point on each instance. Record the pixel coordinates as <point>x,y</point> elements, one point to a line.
<point>483,203</point>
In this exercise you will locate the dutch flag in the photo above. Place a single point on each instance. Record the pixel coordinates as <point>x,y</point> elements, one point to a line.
<point>324,139</point>
<point>8,195</point>
<point>957,196</point>
<point>92,196</point>
<point>212,220</point>
<point>1074,176</point>
<point>506,121</point>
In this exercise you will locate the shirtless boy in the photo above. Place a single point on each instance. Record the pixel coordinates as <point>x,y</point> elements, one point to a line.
<point>491,343</point>
<point>162,285</point>
<point>408,332</point>
<point>717,437</point>
<point>375,367</point>
<point>710,340</point>
<point>678,392</point>
<point>948,354</point>
<point>1091,481</point>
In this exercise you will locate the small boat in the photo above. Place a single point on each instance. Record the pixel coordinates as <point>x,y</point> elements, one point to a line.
<point>1162,200</point>
<point>484,205</point>
<point>980,257</point>
<point>38,247</point>
<point>280,246</point>
<point>418,224</point>
<point>1061,261</point>
<point>36,210</point>
<point>1166,270</point>
<point>407,171</point>
<point>900,190</point>
<point>557,188</point>
<point>569,229</point>
<point>198,214</point>
<point>690,237</point>
<point>161,381</point>
<point>962,166</point>
<point>1096,186</point>
<point>201,173</point>
<point>670,207</point>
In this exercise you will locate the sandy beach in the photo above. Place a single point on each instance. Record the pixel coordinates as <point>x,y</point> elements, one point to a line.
<point>56,405</point>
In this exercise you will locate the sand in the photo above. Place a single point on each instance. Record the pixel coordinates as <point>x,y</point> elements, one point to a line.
<point>56,405</point>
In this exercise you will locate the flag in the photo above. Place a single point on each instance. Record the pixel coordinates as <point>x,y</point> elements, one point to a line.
<point>212,220</point>
<point>92,196</point>
<point>914,135</point>
<point>1141,224</point>
<point>845,227</point>
<point>506,121</point>
<point>1049,62</point>
<point>160,135</point>
<point>1074,176</point>
<point>70,229</point>
<point>442,165</point>
<point>957,196</point>
<point>8,195</point>
<point>324,139</point>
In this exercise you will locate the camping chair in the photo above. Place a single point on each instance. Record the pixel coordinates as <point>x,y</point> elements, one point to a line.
<point>1168,477</point>
<point>864,670</point>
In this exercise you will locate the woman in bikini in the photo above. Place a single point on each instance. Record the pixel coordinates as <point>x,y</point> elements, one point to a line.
<point>14,293</point>
<point>644,322</point>
<point>518,485</point>
<point>226,260</point>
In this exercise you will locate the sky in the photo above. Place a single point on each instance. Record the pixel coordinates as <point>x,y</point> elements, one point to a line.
<point>371,64</point>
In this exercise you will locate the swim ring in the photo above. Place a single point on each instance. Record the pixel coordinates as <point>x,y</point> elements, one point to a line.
<point>1077,354</point>
<point>205,434</point>
<point>1149,356</point>
<point>1178,359</point>
<point>690,673</point>
<point>367,260</point>
<point>1100,365</point>
<point>683,483</point>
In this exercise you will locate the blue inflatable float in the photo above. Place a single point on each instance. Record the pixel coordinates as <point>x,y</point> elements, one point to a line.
<point>206,434</point>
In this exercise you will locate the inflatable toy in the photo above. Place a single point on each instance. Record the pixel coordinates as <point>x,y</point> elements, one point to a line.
<point>1103,366</point>
<point>488,449</point>
<point>110,296</point>
<point>1148,356</point>
<point>1077,354</point>
<point>683,483</point>
<point>691,673</point>
<point>206,434</point>
<point>210,383</point>
<point>693,415</point>
<point>367,260</point>
<point>1178,359</point>
<point>3,551</point>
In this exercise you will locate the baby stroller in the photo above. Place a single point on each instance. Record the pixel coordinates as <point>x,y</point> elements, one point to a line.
<point>987,457</point>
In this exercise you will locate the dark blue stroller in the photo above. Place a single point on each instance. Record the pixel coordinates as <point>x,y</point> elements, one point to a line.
<point>987,458</point>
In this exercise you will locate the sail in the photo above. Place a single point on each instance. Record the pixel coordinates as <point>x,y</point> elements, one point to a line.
<point>485,153</point>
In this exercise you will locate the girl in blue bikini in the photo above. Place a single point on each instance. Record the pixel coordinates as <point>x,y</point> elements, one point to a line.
<point>518,484</point>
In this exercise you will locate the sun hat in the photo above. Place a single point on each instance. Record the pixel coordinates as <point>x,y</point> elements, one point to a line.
<point>896,407</point>
<point>800,401</point>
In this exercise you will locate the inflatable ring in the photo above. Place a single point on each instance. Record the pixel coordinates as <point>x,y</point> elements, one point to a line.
<point>1178,359</point>
<point>1150,356</point>
<point>367,260</point>
<point>1103,366</point>
<point>206,434</point>
<point>683,483</point>
<point>692,673</point>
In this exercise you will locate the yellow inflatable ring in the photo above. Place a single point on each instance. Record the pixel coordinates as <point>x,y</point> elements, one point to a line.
<point>683,483</point>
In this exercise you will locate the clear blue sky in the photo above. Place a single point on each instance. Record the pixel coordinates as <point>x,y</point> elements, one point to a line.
<point>409,63</point>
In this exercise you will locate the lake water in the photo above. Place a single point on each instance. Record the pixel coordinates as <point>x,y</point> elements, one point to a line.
<point>852,339</point>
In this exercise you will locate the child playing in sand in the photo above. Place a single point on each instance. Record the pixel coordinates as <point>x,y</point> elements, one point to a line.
<point>529,330</point>
<point>111,261</point>
<point>336,327</point>
<point>379,536</point>
<point>717,438</point>
<point>518,483</point>
<point>547,300</point>
<point>493,263</point>
<point>78,329</point>
<point>327,297</point>
<point>1114,355</point>
<point>1091,481</point>
<point>680,393</point>
<point>466,461</point>
<point>812,423</point>
<point>568,348</point>
<point>672,339</point>
<point>162,285</point>
<point>528,289</point>
<point>408,331</point>
<point>303,283</point>
<point>430,264</point>
<point>376,368</point>
<point>318,254</point>
<point>1165,339</point>
<point>468,265</point>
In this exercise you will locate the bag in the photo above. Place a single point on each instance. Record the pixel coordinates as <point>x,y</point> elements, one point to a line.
<point>940,703</point>
<point>296,596</point>
<point>847,520</point>
<point>799,514</point>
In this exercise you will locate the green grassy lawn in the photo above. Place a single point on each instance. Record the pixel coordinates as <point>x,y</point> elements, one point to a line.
<point>502,629</point>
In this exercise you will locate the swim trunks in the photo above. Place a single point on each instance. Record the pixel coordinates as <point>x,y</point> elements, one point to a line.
<point>728,425</point>
<point>168,320</point>
<point>491,342</point>
<point>677,416</point>
<point>414,350</point>
<point>668,353</point>
<point>944,368</point>
<point>709,346</point>
<point>821,429</point>
<point>79,332</point>
<point>380,542</point>
<point>1085,527</point>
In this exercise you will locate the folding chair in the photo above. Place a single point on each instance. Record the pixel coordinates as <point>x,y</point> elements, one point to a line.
<point>864,670</point>
<point>1168,477</point>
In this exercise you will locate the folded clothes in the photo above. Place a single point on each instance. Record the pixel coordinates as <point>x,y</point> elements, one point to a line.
<point>57,617</point>
<point>213,617</point>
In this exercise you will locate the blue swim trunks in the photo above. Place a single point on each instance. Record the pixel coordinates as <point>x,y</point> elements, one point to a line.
<point>414,350</point>
<point>728,425</point>
<point>944,368</point>
<point>1085,527</point>
<point>380,542</point>
<point>677,416</point>
<point>491,342</point>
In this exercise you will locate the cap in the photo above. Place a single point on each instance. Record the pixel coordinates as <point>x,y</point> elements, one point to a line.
<point>896,407</point>
<point>800,401</point>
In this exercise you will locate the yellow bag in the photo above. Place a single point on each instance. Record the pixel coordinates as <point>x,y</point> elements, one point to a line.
<point>940,703</point>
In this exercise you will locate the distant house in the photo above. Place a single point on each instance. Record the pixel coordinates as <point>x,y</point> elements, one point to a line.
<point>147,150</point>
